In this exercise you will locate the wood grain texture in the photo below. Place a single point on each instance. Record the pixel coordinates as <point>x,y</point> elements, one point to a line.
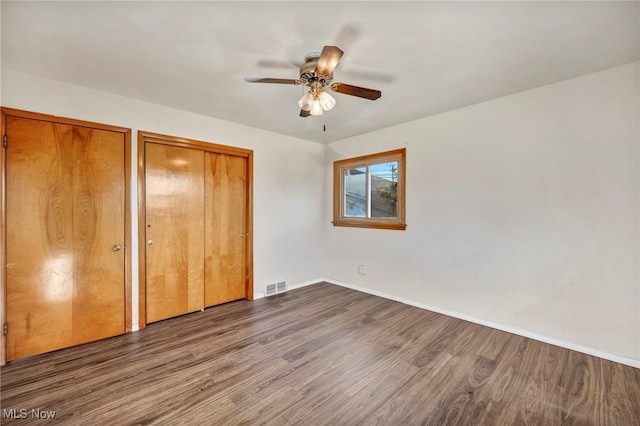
<point>3,238</point>
<point>322,355</point>
<point>171,141</point>
<point>98,225</point>
<point>174,222</point>
<point>40,275</point>
<point>65,211</point>
<point>225,228</point>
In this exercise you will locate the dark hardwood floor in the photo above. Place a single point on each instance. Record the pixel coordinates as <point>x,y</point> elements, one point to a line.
<point>319,355</point>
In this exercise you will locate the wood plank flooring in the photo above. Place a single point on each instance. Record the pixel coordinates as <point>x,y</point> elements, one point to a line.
<point>319,355</point>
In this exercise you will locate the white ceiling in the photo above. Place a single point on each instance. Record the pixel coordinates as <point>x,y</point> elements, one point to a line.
<point>425,57</point>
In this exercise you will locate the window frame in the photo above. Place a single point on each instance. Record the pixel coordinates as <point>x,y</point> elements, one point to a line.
<point>339,219</point>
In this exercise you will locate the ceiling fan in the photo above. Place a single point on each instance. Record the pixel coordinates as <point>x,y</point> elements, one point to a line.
<point>317,74</point>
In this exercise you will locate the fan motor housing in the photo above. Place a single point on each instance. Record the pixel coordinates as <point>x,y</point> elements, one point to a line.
<point>308,71</point>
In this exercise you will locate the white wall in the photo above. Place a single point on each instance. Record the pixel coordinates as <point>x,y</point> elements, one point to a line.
<point>522,212</point>
<point>288,172</point>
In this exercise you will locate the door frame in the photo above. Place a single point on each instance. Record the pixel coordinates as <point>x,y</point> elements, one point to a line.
<point>143,138</point>
<point>11,112</point>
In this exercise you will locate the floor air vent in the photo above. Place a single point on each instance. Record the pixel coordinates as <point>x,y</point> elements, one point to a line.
<point>271,289</point>
<point>279,287</point>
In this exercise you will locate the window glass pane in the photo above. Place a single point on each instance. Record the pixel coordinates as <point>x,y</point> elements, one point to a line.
<point>355,192</point>
<point>384,189</point>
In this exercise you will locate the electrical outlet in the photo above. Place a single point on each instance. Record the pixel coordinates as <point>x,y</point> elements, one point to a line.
<point>362,269</point>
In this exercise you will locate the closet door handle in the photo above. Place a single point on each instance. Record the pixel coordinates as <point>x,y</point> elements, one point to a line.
<point>243,235</point>
<point>150,242</point>
<point>116,247</point>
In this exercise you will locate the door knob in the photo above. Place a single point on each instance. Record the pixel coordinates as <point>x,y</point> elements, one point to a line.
<point>150,242</point>
<point>116,247</point>
<point>243,235</point>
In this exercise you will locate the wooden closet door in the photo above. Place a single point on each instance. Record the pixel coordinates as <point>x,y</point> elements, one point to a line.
<point>65,275</point>
<point>225,228</point>
<point>174,179</point>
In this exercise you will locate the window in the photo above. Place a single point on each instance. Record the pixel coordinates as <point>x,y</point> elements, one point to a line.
<point>369,191</point>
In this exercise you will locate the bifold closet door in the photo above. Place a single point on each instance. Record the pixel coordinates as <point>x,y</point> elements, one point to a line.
<point>225,227</point>
<point>174,179</point>
<point>65,213</point>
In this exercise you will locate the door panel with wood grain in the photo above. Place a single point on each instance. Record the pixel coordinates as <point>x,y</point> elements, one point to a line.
<point>98,234</point>
<point>65,212</point>
<point>174,231</point>
<point>225,227</point>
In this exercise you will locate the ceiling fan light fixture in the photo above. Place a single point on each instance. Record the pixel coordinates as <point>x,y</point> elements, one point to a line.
<point>316,74</point>
<point>316,108</point>
<point>327,101</point>
<point>305,101</point>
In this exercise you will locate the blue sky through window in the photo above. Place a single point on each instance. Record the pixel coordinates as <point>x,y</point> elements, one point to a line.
<point>388,171</point>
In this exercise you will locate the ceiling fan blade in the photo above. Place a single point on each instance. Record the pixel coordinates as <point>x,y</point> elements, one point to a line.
<point>304,113</point>
<point>361,92</point>
<point>328,60</point>
<point>272,80</point>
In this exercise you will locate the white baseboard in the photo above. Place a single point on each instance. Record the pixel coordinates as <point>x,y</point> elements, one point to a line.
<point>513,330</point>
<point>306,283</point>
